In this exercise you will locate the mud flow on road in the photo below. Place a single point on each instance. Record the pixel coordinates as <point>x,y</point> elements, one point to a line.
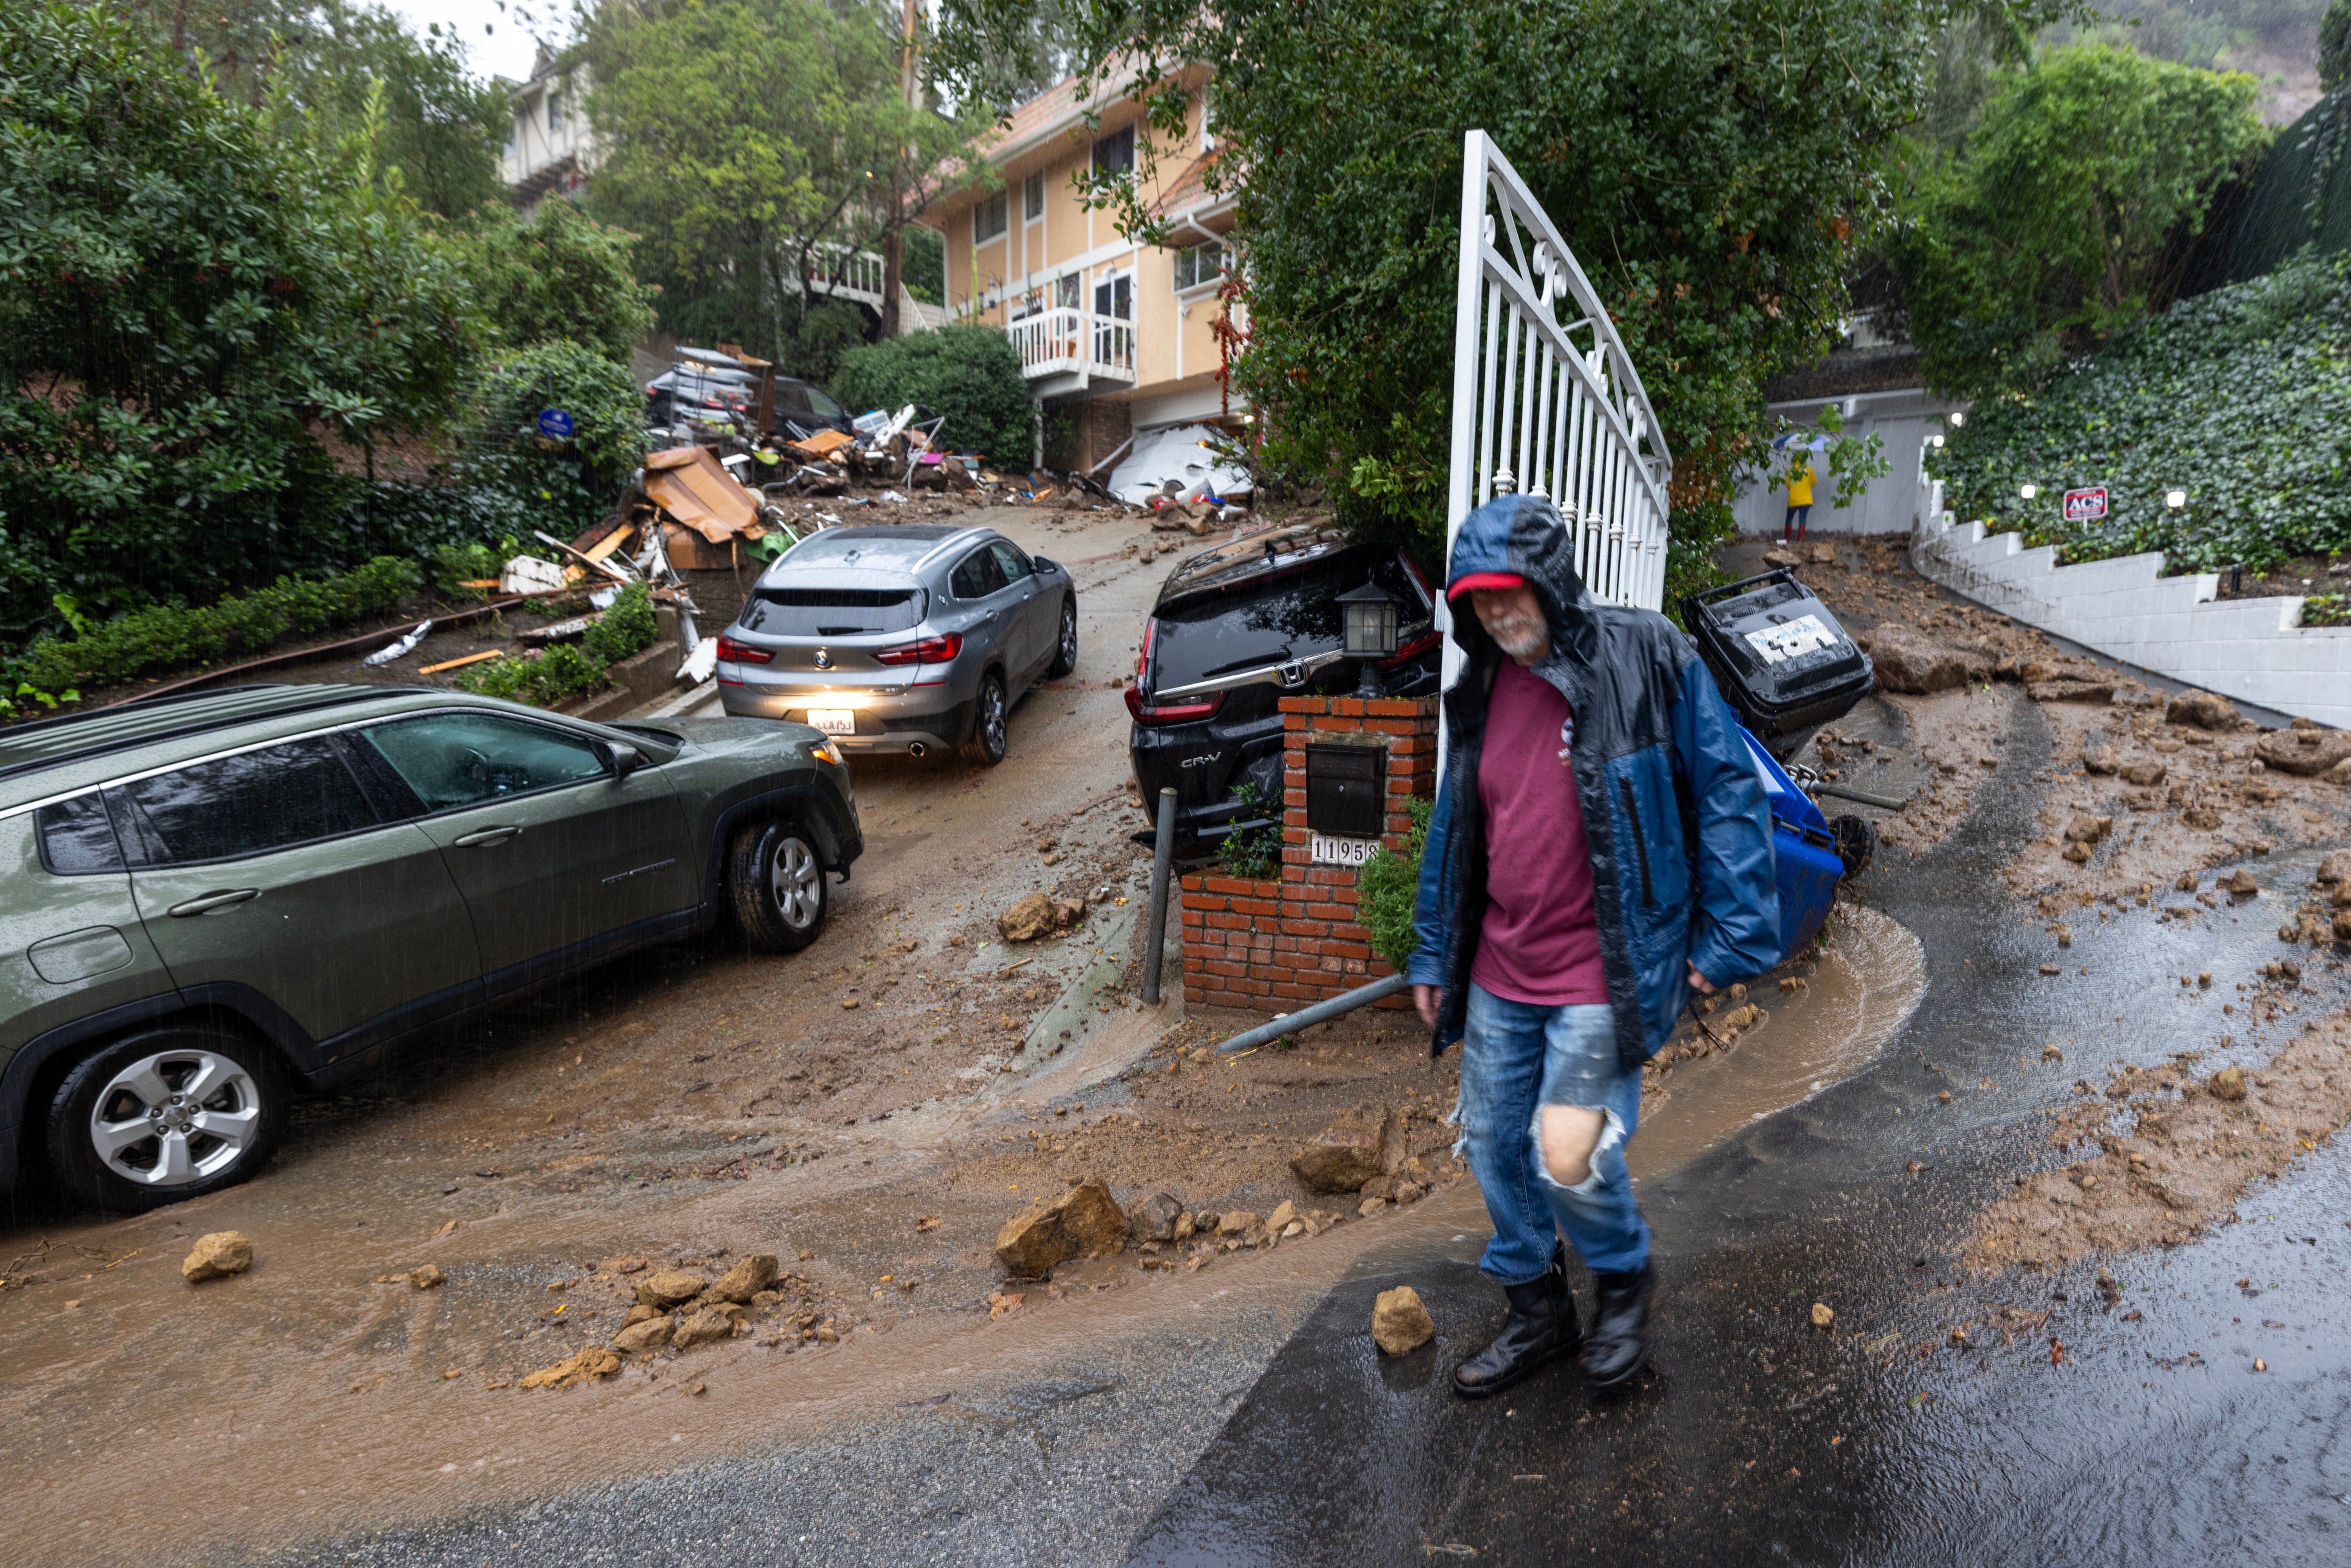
<point>1986,1022</point>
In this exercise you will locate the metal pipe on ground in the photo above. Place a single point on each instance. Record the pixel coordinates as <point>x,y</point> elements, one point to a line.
<point>1163,860</point>
<point>1321,1012</point>
<point>1883,802</point>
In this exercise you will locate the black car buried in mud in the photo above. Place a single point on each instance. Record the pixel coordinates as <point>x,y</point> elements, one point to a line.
<point>1235,630</point>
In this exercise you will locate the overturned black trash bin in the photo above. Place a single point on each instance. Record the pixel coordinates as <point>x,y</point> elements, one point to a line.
<point>1780,658</point>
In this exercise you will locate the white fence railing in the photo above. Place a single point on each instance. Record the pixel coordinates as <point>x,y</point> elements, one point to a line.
<point>1065,341</point>
<point>1545,397</point>
<point>845,274</point>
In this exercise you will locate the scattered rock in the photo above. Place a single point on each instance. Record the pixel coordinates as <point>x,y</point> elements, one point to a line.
<point>2085,829</point>
<point>1399,1321</point>
<point>218,1256</point>
<point>1027,920</point>
<point>2229,1084</point>
<point>1379,1186</point>
<point>2304,751</point>
<point>426,1277</point>
<point>640,1313</point>
<point>2100,759</point>
<point>2335,869</point>
<point>1821,1316</point>
<point>593,1362</point>
<point>2146,775</point>
<point>2072,690</point>
<point>1781,556</point>
<point>1083,1221</point>
<point>1821,555</point>
<point>1283,1214</point>
<point>2201,709</point>
<point>1240,1222</point>
<point>1364,1142</point>
<point>1905,662</point>
<point>2078,853</point>
<point>2340,773</point>
<point>1410,1192</point>
<point>648,1333</point>
<point>670,1288</point>
<point>716,1321</point>
<point>2201,817</point>
<point>2240,880</point>
<point>1744,1016</point>
<point>749,1276</point>
<point>1157,1217</point>
<point>1370,1206</point>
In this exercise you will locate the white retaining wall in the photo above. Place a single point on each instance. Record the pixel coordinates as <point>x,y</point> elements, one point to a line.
<point>2246,649</point>
<point>1903,420</point>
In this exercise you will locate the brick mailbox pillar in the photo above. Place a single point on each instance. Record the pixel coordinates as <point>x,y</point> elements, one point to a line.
<point>1276,945</point>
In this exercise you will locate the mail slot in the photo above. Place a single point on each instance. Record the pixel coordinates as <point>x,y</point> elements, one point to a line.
<point>1346,790</point>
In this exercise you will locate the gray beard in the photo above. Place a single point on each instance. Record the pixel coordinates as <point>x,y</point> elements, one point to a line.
<point>1520,641</point>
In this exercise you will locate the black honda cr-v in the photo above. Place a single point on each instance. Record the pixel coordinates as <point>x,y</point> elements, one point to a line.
<point>1237,629</point>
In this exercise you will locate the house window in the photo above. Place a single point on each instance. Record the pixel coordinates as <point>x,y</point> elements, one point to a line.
<point>1114,153</point>
<point>1032,196</point>
<point>554,110</point>
<point>1199,264</point>
<point>987,219</point>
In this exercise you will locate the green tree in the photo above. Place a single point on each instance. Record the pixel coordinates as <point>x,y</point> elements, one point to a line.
<point>2049,227</point>
<point>1713,163</point>
<point>207,323</point>
<point>751,143</point>
<point>969,374</point>
<point>524,478</point>
<point>556,273</point>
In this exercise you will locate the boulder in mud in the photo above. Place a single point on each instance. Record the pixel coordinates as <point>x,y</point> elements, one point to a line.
<point>2202,709</point>
<point>216,1256</point>
<point>2240,880</point>
<point>1085,1221</point>
<point>1366,1141</point>
<point>1907,662</point>
<point>649,1333</point>
<point>1283,1214</point>
<point>1400,1322</point>
<point>2100,759</point>
<point>427,1276</point>
<point>593,1362</point>
<point>1781,556</point>
<point>716,1321</point>
<point>749,1276</point>
<point>1156,1217</point>
<point>2335,868</point>
<point>2340,773</point>
<point>2304,751</point>
<point>1821,555</point>
<point>670,1288</point>
<point>2229,1084</point>
<point>1027,920</point>
<point>2146,775</point>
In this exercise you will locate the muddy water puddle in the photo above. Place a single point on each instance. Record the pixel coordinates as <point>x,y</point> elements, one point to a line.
<point>1870,978</point>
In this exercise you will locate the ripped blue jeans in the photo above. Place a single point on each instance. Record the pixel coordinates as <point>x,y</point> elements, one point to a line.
<point>1516,1057</point>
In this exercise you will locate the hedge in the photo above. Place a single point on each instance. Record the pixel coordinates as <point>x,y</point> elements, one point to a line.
<point>2240,397</point>
<point>564,671</point>
<point>164,636</point>
<point>1387,888</point>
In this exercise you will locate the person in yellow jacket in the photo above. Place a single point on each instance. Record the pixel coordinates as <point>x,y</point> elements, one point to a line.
<point>1800,498</point>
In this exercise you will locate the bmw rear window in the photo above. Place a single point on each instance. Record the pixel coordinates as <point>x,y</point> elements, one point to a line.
<point>831,611</point>
<point>1269,619</point>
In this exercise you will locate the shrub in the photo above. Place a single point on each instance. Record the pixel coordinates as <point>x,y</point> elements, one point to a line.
<point>551,675</point>
<point>526,480</point>
<point>1387,888</point>
<point>969,374</point>
<point>1254,854</point>
<point>165,635</point>
<point>2240,397</point>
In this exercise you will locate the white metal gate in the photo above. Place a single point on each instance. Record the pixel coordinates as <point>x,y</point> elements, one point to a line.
<point>1544,396</point>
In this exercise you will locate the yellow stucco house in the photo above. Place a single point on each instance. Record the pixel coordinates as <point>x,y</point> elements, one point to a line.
<point>1116,340</point>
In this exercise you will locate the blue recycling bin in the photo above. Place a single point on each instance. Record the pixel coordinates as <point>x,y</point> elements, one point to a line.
<point>1805,851</point>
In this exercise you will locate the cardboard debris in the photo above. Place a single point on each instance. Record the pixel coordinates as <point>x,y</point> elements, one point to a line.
<point>689,484</point>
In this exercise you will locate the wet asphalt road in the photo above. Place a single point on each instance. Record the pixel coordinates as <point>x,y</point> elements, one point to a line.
<point>1756,1438</point>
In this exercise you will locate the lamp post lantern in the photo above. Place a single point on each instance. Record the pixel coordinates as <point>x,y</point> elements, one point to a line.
<point>1371,632</point>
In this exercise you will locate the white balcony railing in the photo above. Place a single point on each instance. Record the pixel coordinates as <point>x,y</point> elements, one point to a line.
<point>1074,342</point>
<point>859,273</point>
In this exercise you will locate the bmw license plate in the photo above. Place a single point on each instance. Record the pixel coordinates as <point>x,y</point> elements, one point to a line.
<point>834,720</point>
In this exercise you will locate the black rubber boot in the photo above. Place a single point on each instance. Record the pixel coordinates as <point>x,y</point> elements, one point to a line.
<point>1619,1345</point>
<point>1540,1329</point>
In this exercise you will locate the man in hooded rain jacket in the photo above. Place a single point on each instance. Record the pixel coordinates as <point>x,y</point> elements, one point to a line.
<point>1600,847</point>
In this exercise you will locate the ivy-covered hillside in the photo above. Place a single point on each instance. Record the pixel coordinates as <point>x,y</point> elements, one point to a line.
<point>2240,397</point>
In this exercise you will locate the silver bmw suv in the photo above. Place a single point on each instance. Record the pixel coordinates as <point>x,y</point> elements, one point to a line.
<point>905,637</point>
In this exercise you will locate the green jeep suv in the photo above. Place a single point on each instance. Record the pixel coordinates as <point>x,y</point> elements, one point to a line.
<point>215,900</point>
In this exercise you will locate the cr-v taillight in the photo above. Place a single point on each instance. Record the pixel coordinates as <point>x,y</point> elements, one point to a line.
<point>1146,711</point>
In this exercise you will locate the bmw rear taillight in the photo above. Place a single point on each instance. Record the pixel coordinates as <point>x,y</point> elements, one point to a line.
<point>929,651</point>
<point>1146,711</point>
<point>734,652</point>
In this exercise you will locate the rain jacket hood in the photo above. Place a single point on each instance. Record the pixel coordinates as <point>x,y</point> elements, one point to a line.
<point>1674,812</point>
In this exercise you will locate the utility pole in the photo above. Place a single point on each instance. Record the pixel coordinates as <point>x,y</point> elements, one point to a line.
<point>894,264</point>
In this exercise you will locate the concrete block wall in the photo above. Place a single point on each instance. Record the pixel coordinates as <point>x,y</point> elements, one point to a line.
<point>1276,945</point>
<point>2249,650</point>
